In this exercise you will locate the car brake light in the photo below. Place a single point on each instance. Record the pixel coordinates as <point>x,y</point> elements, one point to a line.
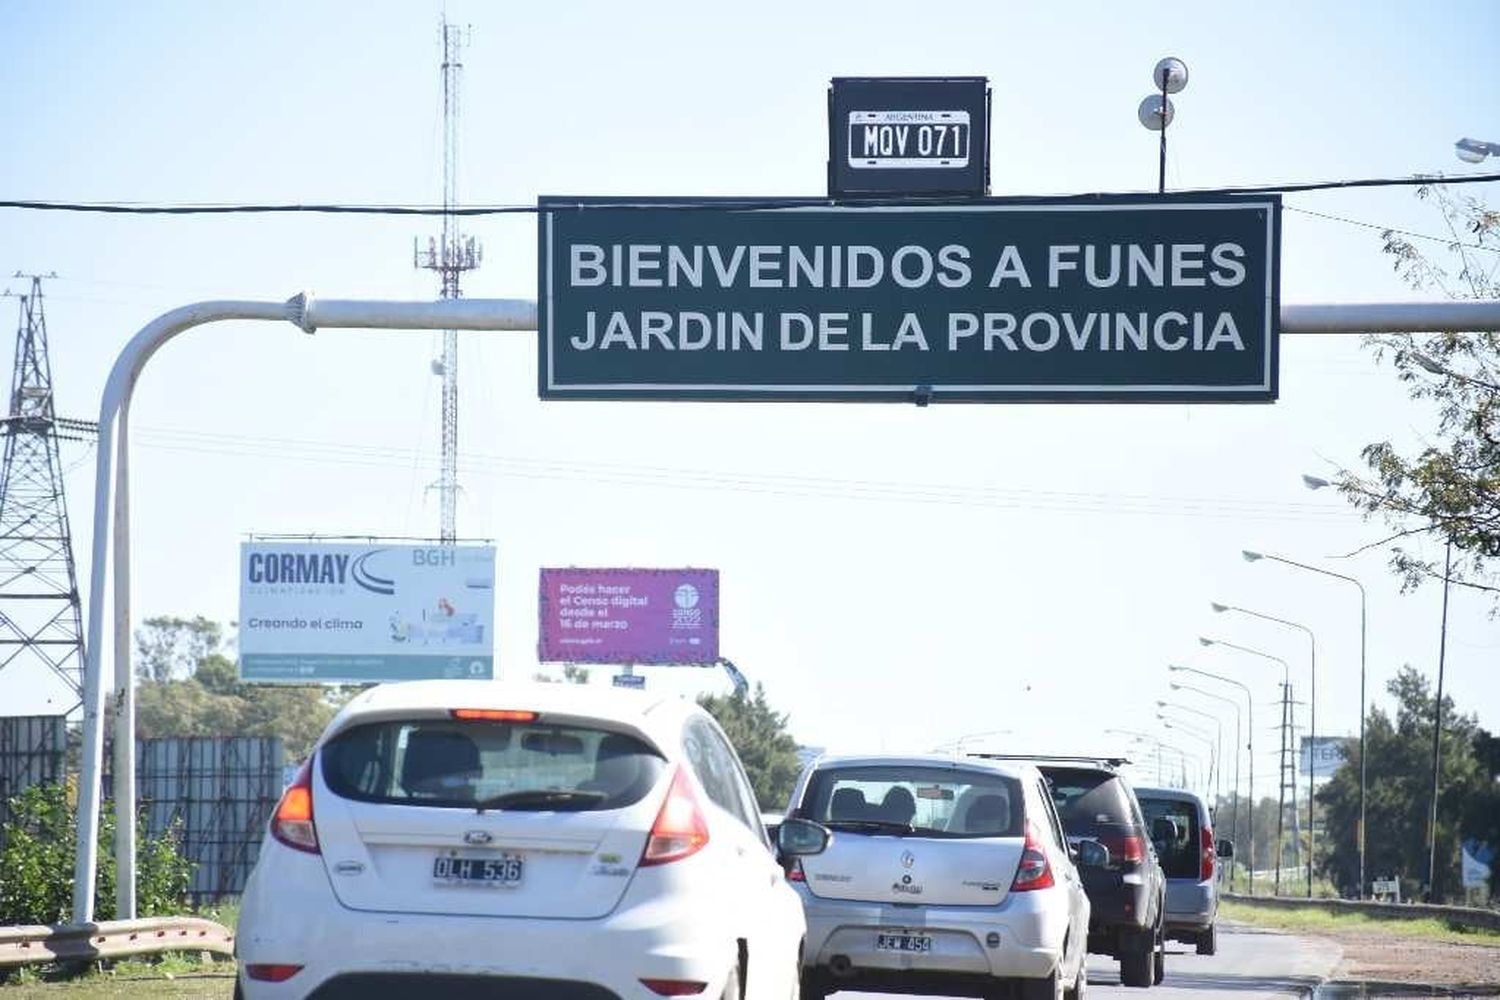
<point>1129,849</point>
<point>674,987</point>
<point>1034,872</point>
<point>680,829</point>
<point>492,715</point>
<point>1206,866</point>
<point>292,823</point>
<point>276,973</point>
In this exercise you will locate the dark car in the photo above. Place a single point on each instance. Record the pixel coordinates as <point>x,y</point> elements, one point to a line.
<point>1127,893</point>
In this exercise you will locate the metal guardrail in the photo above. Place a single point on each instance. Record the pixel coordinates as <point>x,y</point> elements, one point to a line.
<point>1461,916</point>
<point>28,945</point>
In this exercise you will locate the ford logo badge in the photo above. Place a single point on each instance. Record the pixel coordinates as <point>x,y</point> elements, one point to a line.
<point>477,837</point>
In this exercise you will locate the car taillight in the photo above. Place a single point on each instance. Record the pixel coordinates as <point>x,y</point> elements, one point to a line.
<point>796,874</point>
<point>1129,849</point>
<point>1206,866</point>
<point>492,715</point>
<point>1034,872</point>
<point>680,829</point>
<point>267,973</point>
<point>674,987</point>
<point>292,823</point>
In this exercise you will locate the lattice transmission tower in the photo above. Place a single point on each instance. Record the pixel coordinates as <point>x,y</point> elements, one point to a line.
<point>40,610</point>
<point>450,255</point>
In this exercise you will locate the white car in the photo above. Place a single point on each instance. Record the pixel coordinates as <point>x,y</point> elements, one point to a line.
<point>470,838</point>
<point>946,876</point>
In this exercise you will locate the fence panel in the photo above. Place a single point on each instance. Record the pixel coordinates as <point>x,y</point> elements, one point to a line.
<point>33,749</point>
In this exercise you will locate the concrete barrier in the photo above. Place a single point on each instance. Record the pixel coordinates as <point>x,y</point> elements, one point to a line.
<point>1460,916</point>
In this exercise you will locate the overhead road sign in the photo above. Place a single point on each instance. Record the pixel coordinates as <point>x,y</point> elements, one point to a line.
<point>629,616</point>
<point>908,136</point>
<point>1118,299</point>
<point>319,613</point>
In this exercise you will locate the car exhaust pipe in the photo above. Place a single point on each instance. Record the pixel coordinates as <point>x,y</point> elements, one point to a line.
<point>840,965</point>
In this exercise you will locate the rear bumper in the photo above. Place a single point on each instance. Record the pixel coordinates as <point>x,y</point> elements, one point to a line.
<point>1191,905</point>
<point>1027,931</point>
<point>1121,909</point>
<point>348,953</point>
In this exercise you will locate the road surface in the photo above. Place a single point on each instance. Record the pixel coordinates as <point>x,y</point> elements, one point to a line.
<point>1251,962</point>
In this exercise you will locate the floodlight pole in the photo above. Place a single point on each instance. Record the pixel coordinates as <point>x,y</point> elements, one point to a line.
<point>111,497</point>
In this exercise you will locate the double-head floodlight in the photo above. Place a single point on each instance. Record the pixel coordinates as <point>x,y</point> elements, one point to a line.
<point>1156,112</point>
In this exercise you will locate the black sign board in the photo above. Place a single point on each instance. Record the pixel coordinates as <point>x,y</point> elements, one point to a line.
<point>1120,299</point>
<point>908,135</point>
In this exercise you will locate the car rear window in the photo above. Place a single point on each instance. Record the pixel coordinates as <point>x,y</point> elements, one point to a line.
<point>1090,802</point>
<point>441,762</point>
<point>926,801</point>
<point>1173,825</point>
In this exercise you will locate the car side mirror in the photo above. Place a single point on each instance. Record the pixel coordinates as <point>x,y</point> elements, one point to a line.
<point>1093,854</point>
<point>1224,849</point>
<point>798,838</point>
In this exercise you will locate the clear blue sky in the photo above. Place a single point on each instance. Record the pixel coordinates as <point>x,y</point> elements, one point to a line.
<point>1033,567</point>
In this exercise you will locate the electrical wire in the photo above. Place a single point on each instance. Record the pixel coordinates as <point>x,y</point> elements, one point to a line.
<point>1445,241</point>
<point>688,204</point>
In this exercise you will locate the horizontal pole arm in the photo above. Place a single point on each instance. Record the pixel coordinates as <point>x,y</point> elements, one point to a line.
<point>1391,317</point>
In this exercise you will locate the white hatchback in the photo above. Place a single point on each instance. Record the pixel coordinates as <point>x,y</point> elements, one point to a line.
<point>947,876</point>
<point>469,838</point>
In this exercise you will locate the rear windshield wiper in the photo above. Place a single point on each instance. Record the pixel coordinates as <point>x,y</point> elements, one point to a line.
<point>869,826</point>
<point>542,799</point>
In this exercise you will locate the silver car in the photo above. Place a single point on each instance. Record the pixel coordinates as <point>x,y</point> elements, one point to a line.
<point>1182,833</point>
<point>944,876</point>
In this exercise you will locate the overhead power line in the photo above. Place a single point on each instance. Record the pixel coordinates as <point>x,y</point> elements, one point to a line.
<point>683,204</point>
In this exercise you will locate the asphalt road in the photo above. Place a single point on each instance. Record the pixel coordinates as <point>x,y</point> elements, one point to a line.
<point>1250,962</point>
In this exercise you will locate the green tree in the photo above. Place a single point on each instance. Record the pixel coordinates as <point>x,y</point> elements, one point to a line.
<point>190,687</point>
<point>1399,793</point>
<point>38,862</point>
<point>1450,486</point>
<point>760,737</point>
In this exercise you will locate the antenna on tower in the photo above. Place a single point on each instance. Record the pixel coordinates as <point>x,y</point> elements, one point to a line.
<point>450,255</point>
<point>40,610</point>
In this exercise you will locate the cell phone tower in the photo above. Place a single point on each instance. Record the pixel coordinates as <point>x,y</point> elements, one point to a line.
<point>40,611</point>
<point>450,255</point>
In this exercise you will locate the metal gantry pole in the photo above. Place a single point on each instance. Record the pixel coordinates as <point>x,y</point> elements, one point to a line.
<point>111,497</point>
<point>463,314</point>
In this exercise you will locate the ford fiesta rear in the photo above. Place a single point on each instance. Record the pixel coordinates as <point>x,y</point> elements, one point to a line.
<point>469,852</point>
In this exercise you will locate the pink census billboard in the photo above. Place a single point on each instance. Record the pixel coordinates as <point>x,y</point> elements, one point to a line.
<point>629,616</point>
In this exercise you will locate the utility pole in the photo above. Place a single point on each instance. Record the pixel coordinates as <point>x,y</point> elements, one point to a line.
<point>450,255</point>
<point>1288,782</point>
<point>40,611</point>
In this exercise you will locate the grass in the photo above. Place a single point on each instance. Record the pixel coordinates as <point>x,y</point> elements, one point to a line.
<point>1327,921</point>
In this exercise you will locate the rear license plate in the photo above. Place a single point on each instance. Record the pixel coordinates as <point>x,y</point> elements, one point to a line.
<point>903,942</point>
<point>504,870</point>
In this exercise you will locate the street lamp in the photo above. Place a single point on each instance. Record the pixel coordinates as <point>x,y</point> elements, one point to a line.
<point>1156,111</point>
<point>1475,150</point>
<point>1234,805</point>
<point>1218,740</point>
<point>1363,617</point>
<point>1197,734</point>
<point>1286,696</point>
<point>1250,748</point>
<point>1312,698</point>
<point>1317,483</point>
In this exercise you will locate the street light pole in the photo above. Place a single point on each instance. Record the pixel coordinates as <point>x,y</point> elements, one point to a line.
<point>1312,725</point>
<point>1363,630</point>
<point>1437,730</point>
<point>1197,734</point>
<point>1250,749</point>
<point>1218,776</point>
<point>1286,695</point>
<point>1234,807</point>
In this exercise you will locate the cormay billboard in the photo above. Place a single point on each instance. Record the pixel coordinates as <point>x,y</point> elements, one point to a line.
<point>1121,299</point>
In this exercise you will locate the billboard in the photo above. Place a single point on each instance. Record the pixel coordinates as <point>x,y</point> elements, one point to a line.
<point>316,612</point>
<point>629,616</point>
<point>908,135</point>
<point>1322,757</point>
<point>1118,299</point>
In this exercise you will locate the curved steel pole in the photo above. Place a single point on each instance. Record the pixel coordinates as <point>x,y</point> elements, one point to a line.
<point>1234,808</point>
<point>1249,749</point>
<point>111,496</point>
